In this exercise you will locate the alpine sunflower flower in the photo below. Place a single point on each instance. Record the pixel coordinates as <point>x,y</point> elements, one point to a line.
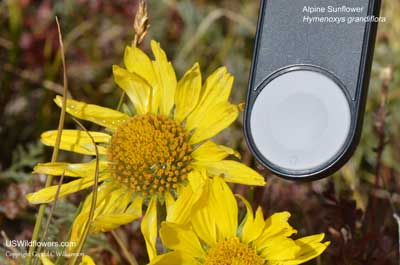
<point>145,158</point>
<point>212,235</point>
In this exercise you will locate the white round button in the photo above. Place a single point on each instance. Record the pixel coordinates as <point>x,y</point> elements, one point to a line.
<point>300,120</point>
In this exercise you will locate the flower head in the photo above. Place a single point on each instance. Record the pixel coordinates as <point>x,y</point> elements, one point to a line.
<point>150,154</point>
<point>150,157</point>
<point>213,236</point>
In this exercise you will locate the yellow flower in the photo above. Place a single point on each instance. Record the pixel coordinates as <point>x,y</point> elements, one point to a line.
<point>147,158</point>
<point>212,235</point>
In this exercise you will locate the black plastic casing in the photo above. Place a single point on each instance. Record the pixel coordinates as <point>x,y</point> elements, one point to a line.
<point>342,51</point>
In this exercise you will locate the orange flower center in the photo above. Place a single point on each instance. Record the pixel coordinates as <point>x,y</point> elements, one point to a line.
<point>232,252</point>
<point>150,154</point>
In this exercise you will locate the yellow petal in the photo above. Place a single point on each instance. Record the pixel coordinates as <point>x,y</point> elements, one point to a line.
<point>181,238</point>
<point>135,207</point>
<point>180,212</point>
<point>149,228</point>
<point>87,260</point>
<point>103,192</point>
<point>311,247</point>
<point>230,151</point>
<point>77,230</point>
<point>210,151</point>
<point>113,214</point>
<point>136,61</point>
<point>311,239</point>
<point>169,202</point>
<point>203,219</point>
<point>225,209</point>
<point>71,170</point>
<point>233,171</point>
<point>117,201</point>
<point>108,222</point>
<point>252,227</point>
<point>187,93</point>
<point>47,194</point>
<point>174,257</point>
<point>106,117</point>
<point>275,225</point>
<point>198,178</point>
<point>219,117</point>
<point>280,248</point>
<point>217,89</point>
<point>166,79</point>
<point>77,141</point>
<point>137,88</point>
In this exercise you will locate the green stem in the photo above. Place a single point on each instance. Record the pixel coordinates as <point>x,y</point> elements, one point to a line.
<point>121,101</point>
<point>54,156</point>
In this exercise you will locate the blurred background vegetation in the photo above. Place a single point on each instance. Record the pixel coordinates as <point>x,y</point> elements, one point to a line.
<point>354,207</point>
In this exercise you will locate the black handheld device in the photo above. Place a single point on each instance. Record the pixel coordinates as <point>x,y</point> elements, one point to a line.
<point>308,84</point>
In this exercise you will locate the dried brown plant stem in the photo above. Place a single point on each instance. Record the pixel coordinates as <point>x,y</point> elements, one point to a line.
<point>141,23</point>
<point>131,259</point>
<point>54,156</point>
<point>140,27</point>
